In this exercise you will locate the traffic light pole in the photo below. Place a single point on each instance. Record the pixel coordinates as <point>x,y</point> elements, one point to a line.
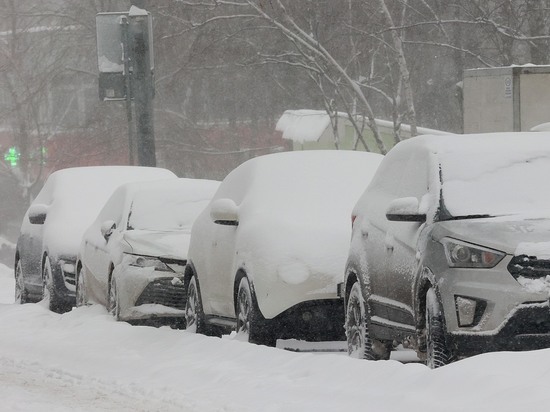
<point>128,89</point>
<point>125,63</point>
<point>142,90</point>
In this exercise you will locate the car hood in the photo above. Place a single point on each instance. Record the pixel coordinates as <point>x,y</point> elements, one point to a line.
<point>509,234</point>
<point>169,244</point>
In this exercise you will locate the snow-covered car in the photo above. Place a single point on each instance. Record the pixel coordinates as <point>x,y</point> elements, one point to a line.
<point>450,250</point>
<point>53,226</point>
<point>132,258</point>
<point>267,253</point>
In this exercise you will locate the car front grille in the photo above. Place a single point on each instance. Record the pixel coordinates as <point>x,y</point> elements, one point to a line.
<point>529,266</point>
<point>165,292</point>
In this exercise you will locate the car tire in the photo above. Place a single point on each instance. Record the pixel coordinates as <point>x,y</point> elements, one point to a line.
<point>49,292</point>
<point>250,323</point>
<point>21,293</point>
<point>194,314</point>
<point>81,297</point>
<point>113,303</point>
<point>437,352</point>
<point>360,344</point>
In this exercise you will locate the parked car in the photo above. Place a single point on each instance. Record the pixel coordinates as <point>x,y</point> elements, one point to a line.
<point>133,256</point>
<point>450,249</point>
<point>53,226</point>
<point>266,254</point>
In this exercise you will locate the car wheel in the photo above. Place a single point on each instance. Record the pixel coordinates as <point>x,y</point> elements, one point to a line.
<point>113,303</point>
<point>49,292</point>
<point>437,351</point>
<point>250,323</point>
<point>360,344</point>
<point>81,298</point>
<point>194,314</point>
<point>21,293</point>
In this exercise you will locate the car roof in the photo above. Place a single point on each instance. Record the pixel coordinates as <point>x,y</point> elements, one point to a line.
<point>481,142</point>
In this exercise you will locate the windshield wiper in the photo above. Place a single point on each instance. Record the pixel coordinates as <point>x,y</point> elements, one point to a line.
<point>466,217</point>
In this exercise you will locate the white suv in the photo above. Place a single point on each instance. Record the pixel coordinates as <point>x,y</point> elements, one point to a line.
<point>450,250</point>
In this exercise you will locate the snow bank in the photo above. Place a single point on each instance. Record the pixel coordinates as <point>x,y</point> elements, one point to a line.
<point>85,361</point>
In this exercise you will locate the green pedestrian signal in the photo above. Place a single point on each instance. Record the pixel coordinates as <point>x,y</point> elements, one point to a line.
<point>12,156</point>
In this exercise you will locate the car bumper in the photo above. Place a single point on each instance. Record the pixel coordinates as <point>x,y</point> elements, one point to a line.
<point>492,294</point>
<point>318,320</point>
<point>527,328</point>
<point>146,294</point>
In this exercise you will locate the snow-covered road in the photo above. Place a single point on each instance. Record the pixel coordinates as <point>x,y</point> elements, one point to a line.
<point>85,361</point>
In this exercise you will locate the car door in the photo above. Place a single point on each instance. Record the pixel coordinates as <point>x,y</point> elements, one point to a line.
<point>373,227</point>
<point>30,242</point>
<point>401,245</point>
<point>97,249</point>
<point>221,268</point>
<point>216,267</point>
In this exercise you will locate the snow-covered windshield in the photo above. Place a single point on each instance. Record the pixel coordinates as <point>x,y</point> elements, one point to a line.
<point>498,183</point>
<point>170,205</point>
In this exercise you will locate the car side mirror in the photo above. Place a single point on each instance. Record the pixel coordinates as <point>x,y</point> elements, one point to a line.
<point>38,214</point>
<point>224,212</point>
<point>404,209</point>
<point>107,228</point>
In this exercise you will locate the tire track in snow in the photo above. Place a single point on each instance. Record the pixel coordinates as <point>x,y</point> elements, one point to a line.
<point>30,387</point>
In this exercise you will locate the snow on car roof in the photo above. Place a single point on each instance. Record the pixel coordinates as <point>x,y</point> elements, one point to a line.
<point>294,210</point>
<point>77,194</point>
<point>292,181</point>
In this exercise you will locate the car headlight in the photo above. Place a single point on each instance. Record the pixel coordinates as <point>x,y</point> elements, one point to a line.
<point>466,255</point>
<point>148,262</point>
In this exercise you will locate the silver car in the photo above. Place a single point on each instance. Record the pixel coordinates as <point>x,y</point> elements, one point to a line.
<point>450,249</point>
<point>133,256</point>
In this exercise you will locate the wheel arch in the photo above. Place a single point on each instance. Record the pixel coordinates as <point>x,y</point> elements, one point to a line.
<point>238,277</point>
<point>351,278</point>
<point>109,278</point>
<point>188,273</point>
<point>426,281</point>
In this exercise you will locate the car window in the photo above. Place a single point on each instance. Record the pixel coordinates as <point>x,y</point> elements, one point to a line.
<point>114,208</point>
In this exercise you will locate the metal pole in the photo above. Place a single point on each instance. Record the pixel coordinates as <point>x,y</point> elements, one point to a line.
<point>142,87</point>
<point>128,86</point>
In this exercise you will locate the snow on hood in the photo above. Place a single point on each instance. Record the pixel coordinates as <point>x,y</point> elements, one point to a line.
<point>169,244</point>
<point>513,235</point>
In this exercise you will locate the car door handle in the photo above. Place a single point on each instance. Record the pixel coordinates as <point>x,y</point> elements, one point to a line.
<point>389,243</point>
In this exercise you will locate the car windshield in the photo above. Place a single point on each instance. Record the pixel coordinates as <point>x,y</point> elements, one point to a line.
<point>495,184</point>
<point>164,211</point>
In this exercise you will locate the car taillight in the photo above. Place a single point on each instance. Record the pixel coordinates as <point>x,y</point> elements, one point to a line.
<point>353,217</point>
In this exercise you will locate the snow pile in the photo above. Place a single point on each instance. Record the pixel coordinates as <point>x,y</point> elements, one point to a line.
<point>7,291</point>
<point>538,285</point>
<point>85,361</point>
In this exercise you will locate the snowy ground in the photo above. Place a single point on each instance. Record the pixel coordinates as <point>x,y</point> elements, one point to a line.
<point>85,361</point>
